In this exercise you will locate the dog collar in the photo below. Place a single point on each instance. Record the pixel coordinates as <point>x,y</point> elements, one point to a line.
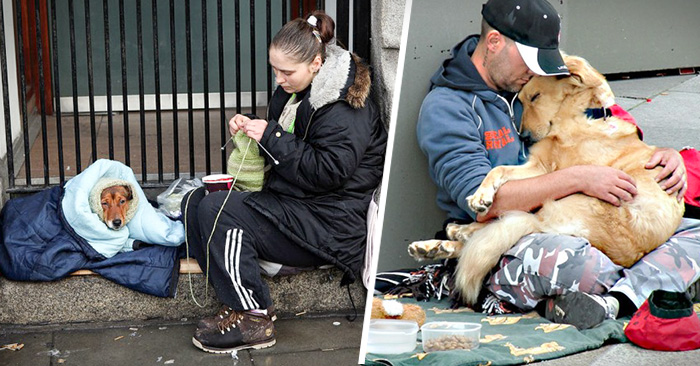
<point>597,113</point>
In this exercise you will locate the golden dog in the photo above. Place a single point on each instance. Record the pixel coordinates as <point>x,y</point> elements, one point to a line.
<point>115,203</point>
<point>554,115</point>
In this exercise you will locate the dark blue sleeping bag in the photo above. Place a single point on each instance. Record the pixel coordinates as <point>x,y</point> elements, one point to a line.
<point>39,245</point>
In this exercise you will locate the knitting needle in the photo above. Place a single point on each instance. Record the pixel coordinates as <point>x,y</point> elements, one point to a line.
<point>268,154</point>
<point>224,147</point>
<point>264,149</point>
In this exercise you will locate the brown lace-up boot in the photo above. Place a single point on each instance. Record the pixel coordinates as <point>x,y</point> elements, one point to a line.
<point>237,331</point>
<point>225,311</point>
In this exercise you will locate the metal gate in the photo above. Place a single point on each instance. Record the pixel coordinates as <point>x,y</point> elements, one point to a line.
<point>149,83</point>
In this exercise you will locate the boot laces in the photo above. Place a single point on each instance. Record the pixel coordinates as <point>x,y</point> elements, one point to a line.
<point>224,312</point>
<point>229,322</point>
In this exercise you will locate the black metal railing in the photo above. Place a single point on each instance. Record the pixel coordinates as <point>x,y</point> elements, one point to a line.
<point>82,88</point>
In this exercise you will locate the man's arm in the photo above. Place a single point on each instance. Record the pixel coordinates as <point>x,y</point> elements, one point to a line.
<point>608,184</point>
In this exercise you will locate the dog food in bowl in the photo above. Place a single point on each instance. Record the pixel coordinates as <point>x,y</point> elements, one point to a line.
<point>447,336</point>
<point>217,182</point>
<point>391,336</point>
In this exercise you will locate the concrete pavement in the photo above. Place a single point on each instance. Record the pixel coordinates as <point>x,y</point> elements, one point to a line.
<point>302,340</point>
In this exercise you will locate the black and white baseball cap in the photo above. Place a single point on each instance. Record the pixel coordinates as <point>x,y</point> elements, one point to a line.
<point>535,27</point>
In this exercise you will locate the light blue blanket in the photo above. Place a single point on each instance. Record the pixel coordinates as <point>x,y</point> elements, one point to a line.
<point>147,225</point>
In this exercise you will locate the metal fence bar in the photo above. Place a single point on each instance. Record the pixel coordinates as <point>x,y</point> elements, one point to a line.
<point>156,72</point>
<point>284,11</point>
<point>74,84</point>
<point>237,4</point>
<point>108,83</point>
<point>125,89</point>
<point>205,81</point>
<point>57,95</point>
<point>253,89</point>
<point>142,107</point>
<point>361,28</point>
<point>342,22</point>
<point>23,95</point>
<point>222,104</point>
<point>173,70</point>
<point>91,90</point>
<point>42,89</point>
<point>268,33</point>
<point>6,100</point>
<point>190,117</point>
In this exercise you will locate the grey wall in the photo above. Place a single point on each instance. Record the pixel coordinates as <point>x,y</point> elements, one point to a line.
<point>631,35</point>
<point>614,35</point>
<point>410,212</point>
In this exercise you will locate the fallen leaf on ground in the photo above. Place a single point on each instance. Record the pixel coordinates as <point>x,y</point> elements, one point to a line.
<point>13,346</point>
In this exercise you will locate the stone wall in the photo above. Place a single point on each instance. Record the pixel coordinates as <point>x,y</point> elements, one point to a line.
<point>387,23</point>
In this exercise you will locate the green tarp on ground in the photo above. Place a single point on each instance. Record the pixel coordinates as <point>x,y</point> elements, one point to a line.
<point>505,340</point>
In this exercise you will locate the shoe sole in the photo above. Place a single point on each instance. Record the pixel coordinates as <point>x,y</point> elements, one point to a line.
<point>576,309</point>
<point>260,345</point>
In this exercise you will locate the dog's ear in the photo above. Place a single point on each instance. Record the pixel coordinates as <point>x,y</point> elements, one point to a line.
<point>129,193</point>
<point>583,75</point>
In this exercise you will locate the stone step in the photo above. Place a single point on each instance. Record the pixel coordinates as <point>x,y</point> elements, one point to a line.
<point>87,297</point>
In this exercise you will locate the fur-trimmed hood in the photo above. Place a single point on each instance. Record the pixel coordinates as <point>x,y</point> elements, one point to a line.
<point>96,193</point>
<point>332,80</point>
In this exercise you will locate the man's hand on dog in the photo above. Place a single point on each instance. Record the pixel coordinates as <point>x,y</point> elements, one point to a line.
<point>672,177</point>
<point>607,184</point>
<point>253,128</point>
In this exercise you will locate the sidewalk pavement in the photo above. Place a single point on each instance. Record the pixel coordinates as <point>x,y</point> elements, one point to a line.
<point>666,108</point>
<point>328,340</point>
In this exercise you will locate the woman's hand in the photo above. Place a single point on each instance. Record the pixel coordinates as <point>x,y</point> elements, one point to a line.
<point>254,128</point>
<point>672,177</point>
<point>236,123</point>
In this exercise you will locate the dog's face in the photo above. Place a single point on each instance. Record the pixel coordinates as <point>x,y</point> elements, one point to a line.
<point>115,202</point>
<point>547,98</point>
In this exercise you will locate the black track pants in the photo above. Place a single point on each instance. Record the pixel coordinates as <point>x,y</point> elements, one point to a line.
<point>242,235</point>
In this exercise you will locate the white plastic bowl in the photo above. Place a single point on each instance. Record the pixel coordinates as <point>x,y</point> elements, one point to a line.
<point>391,336</point>
<point>447,336</point>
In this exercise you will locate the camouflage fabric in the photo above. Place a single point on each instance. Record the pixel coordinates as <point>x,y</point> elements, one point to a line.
<point>546,265</point>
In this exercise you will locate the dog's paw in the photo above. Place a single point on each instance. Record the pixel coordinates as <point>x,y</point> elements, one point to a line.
<point>481,201</point>
<point>460,232</point>
<point>423,249</point>
<point>452,231</point>
<point>433,249</point>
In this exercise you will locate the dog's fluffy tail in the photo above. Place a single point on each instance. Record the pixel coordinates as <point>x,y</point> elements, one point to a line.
<point>486,246</point>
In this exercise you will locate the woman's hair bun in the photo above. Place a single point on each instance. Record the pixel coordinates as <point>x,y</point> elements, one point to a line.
<point>324,25</point>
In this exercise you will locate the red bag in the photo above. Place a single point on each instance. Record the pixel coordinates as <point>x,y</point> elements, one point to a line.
<point>665,322</point>
<point>691,158</point>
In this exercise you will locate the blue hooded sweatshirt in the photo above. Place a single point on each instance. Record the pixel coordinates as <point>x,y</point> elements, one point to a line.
<point>465,128</point>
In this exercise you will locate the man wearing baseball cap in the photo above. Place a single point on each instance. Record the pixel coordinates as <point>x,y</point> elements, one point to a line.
<point>470,121</point>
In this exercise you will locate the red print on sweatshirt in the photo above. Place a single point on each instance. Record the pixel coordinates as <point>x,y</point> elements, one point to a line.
<point>498,139</point>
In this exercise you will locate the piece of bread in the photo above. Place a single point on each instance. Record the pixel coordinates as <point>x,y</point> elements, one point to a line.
<point>392,309</point>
